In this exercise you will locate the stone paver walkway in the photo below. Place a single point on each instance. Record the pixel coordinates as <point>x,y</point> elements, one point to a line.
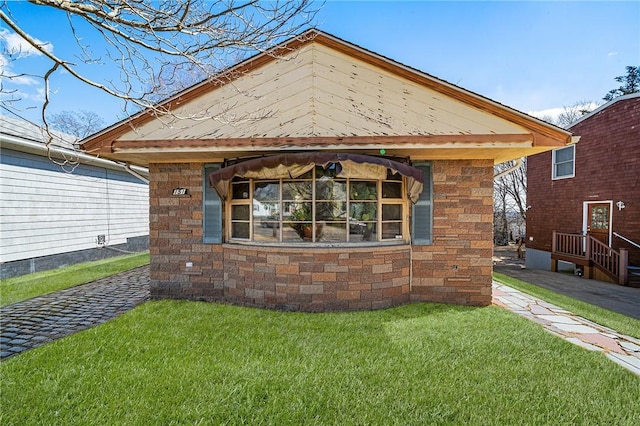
<point>624,350</point>
<point>34,322</point>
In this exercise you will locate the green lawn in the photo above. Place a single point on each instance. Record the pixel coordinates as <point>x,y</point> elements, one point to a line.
<point>621,323</point>
<point>14,290</point>
<point>181,362</point>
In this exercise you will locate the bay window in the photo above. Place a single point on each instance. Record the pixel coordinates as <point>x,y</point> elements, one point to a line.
<point>318,206</point>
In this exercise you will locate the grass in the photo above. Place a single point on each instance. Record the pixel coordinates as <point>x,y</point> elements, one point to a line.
<point>621,323</point>
<point>180,362</point>
<point>16,289</point>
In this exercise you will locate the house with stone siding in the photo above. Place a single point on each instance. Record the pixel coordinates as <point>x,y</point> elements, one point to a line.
<point>321,176</point>
<point>585,197</point>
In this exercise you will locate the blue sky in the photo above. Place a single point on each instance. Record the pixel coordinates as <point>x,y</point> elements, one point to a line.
<point>531,56</point>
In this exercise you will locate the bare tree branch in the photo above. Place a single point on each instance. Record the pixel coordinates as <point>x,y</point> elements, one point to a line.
<point>77,123</point>
<point>510,191</point>
<point>146,38</point>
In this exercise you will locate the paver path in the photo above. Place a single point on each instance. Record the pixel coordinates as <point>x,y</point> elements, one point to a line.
<point>624,350</point>
<point>34,322</point>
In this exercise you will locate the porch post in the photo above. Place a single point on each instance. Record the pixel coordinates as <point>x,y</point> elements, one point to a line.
<point>623,266</point>
<point>554,246</point>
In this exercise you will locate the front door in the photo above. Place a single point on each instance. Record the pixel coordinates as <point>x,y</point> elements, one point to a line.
<point>599,221</point>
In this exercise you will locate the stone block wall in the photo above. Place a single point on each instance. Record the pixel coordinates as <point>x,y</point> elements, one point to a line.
<point>456,269</point>
<point>175,236</point>
<point>317,279</point>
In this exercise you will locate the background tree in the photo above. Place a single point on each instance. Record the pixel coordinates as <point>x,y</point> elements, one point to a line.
<point>570,114</point>
<point>630,84</point>
<point>510,200</point>
<point>77,123</point>
<point>147,40</point>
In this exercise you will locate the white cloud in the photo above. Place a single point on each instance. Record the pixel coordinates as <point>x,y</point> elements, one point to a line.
<point>19,47</point>
<point>12,48</point>
<point>612,53</point>
<point>24,80</point>
<point>554,113</point>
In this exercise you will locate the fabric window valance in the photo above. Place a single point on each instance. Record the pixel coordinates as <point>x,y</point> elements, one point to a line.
<point>289,166</point>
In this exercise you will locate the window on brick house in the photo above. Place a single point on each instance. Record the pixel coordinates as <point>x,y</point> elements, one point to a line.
<point>563,162</point>
<point>319,207</point>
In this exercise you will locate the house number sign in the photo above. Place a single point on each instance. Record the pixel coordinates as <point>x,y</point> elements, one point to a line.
<point>180,191</point>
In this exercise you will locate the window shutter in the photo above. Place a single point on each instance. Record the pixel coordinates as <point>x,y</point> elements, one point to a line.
<point>211,209</point>
<point>422,217</point>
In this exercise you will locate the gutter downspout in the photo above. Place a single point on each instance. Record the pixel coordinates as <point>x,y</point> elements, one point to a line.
<point>128,169</point>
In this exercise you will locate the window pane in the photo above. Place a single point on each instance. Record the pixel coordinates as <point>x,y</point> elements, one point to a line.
<point>266,231</point>
<point>240,191</point>
<point>331,211</point>
<point>331,190</point>
<point>266,191</point>
<point>391,189</point>
<point>296,190</point>
<point>299,212</point>
<point>363,190</point>
<point>290,232</point>
<point>391,230</point>
<point>240,230</point>
<point>331,232</point>
<point>356,227</point>
<point>564,169</point>
<point>392,212</point>
<point>240,212</point>
<point>364,211</point>
<point>369,233</point>
<point>298,231</point>
<point>564,154</point>
<point>265,213</point>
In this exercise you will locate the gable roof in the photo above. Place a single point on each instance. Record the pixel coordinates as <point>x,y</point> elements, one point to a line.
<point>602,107</point>
<point>318,92</point>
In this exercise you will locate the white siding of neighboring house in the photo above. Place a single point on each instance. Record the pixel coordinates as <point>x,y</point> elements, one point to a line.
<point>45,210</point>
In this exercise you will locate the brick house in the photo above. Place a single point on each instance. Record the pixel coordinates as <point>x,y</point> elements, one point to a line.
<point>331,178</point>
<point>588,191</point>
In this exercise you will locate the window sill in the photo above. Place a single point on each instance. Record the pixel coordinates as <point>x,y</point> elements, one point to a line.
<point>391,243</point>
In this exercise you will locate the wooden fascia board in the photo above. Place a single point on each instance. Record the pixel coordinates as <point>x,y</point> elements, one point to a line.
<point>460,141</point>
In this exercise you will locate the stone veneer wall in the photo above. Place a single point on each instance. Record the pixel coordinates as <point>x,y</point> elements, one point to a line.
<point>457,268</point>
<point>317,279</point>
